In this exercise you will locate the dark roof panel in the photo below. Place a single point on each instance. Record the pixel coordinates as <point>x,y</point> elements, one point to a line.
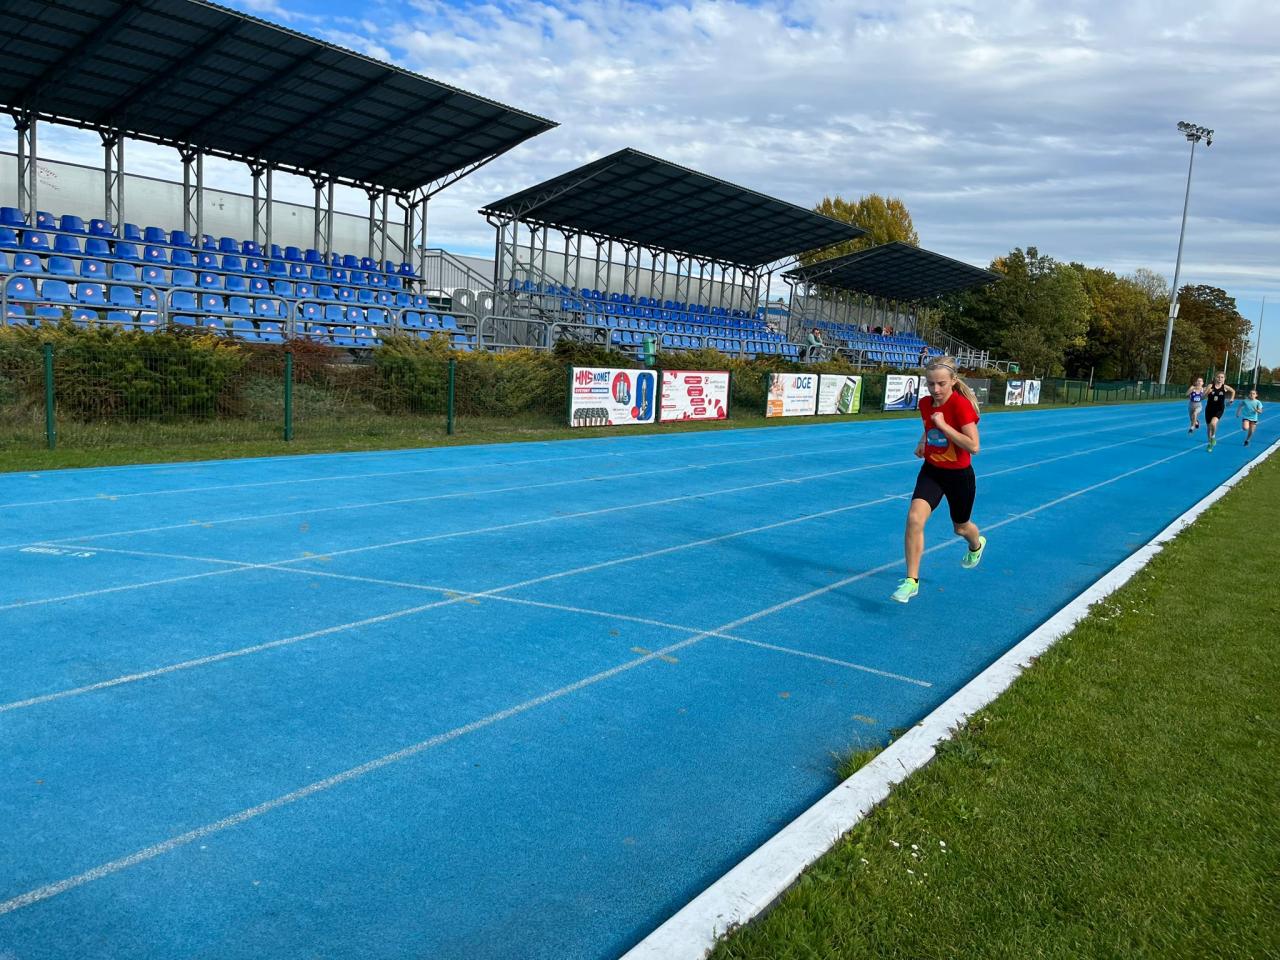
<point>190,72</point>
<point>632,196</point>
<point>894,271</point>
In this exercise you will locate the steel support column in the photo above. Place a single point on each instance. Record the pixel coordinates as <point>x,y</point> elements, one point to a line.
<point>28,186</point>
<point>262,199</point>
<point>193,194</point>
<point>113,177</point>
<point>322,237</point>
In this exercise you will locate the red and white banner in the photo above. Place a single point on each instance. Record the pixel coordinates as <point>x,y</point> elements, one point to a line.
<point>605,396</point>
<point>695,395</point>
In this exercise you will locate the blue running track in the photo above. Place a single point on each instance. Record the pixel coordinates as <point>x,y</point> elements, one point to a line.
<point>501,701</point>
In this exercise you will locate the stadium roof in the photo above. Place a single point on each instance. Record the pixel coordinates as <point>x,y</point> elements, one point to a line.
<point>631,196</point>
<point>192,73</point>
<point>894,271</point>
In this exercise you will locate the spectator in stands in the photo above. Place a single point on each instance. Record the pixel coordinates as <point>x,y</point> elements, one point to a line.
<point>924,355</point>
<point>815,349</point>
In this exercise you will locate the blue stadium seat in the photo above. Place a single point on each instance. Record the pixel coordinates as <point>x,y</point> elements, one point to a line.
<point>346,294</point>
<point>70,223</point>
<point>31,240</point>
<point>266,308</point>
<point>350,261</point>
<point>303,290</point>
<point>180,238</point>
<point>282,288</point>
<point>209,281</point>
<point>182,258</point>
<point>154,254</point>
<point>124,272</point>
<point>255,266</point>
<point>406,270</point>
<point>232,264</point>
<point>313,257</point>
<point>228,245</point>
<point>93,269</point>
<point>55,291</point>
<point>27,263</point>
<point>132,233</point>
<point>259,285</point>
<point>126,250</point>
<point>244,329</point>
<point>310,311</point>
<point>250,248</point>
<point>278,268</point>
<point>368,263</point>
<point>183,300</point>
<point>62,267</point>
<point>207,260</point>
<point>357,278</point>
<point>376,316</point>
<point>8,238</point>
<point>334,260</point>
<point>325,292</point>
<point>120,318</point>
<point>293,253</point>
<point>65,243</point>
<point>334,314</point>
<point>298,271</point>
<point>123,296</point>
<point>240,306</point>
<point>46,221</point>
<point>319,273</point>
<point>366,296</point>
<point>376,280</point>
<point>148,299</point>
<point>395,283</point>
<point>155,276</point>
<point>155,236</point>
<point>341,275</point>
<point>100,228</point>
<point>270,333</point>
<point>12,217</point>
<point>184,278</point>
<point>212,303</point>
<point>235,283</point>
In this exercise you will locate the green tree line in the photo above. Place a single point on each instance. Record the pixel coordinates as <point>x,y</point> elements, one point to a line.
<point>1070,319</point>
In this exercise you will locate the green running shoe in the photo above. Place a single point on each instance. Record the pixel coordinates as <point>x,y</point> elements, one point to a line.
<point>973,557</point>
<point>1213,443</point>
<point>907,589</point>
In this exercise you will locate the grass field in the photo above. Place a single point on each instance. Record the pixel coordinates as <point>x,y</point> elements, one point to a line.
<point>1120,800</point>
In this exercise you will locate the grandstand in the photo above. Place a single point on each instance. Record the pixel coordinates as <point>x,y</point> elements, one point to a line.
<point>832,294</point>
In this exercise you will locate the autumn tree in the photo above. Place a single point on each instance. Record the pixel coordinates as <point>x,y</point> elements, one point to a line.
<point>885,219</point>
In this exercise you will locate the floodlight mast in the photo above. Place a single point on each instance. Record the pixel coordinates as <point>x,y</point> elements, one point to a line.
<point>1194,134</point>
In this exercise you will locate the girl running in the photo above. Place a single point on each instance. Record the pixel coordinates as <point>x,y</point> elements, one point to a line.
<point>1195,401</point>
<point>1248,412</point>
<point>1216,405</point>
<point>950,440</point>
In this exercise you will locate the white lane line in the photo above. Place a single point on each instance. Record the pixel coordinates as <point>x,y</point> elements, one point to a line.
<point>83,538</point>
<point>522,523</point>
<point>762,877</point>
<point>115,866</point>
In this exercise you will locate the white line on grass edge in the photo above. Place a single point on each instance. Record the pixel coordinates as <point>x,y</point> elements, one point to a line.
<point>764,876</point>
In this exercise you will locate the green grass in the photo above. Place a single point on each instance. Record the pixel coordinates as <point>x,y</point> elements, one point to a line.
<point>111,443</point>
<point>1120,800</point>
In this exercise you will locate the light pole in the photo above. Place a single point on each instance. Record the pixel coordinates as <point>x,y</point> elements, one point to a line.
<point>1194,134</point>
<point>1257,354</point>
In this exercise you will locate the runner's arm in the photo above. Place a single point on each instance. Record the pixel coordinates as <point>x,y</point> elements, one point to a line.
<point>966,438</point>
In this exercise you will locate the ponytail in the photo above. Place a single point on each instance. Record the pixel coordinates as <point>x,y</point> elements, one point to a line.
<point>949,364</point>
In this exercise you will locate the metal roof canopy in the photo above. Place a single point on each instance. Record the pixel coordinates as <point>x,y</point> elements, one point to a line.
<point>189,73</point>
<point>894,271</point>
<point>632,197</point>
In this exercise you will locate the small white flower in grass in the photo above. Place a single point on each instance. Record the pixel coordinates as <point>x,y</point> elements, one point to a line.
<point>910,871</point>
<point>895,843</point>
<point>914,847</point>
<point>864,859</point>
<point>915,856</point>
<point>942,843</point>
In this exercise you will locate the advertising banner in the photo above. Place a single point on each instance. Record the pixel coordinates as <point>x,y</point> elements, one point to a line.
<point>981,389</point>
<point>838,393</point>
<point>1031,391</point>
<point>695,394</point>
<point>1013,393</point>
<point>792,395</point>
<point>604,396</point>
<point>901,392</point>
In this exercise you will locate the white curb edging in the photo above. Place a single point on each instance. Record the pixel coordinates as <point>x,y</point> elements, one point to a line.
<point>757,882</point>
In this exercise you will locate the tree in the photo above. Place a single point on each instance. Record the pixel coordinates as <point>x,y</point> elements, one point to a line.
<point>1126,325</point>
<point>1214,315</point>
<point>885,219</point>
<point>1034,315</point>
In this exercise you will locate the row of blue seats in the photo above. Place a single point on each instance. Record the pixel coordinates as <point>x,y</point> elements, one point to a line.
<point>656,313</point>
<point>243,329</point>
<point>847,331</point>
<point>12,220</point>
<point>31,260</point>
<point>90,291</point>
<point>745,347</point>
<point>625,299</point>
<point>693,329</point>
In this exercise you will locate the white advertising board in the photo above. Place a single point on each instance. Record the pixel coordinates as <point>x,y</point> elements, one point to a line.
<point>695,394</point>
<point>792,395</point>
<point>607,396</point>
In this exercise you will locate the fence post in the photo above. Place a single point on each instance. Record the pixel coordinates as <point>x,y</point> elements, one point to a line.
<point>449,400</point>
<point>50,418</point>
<point>288,395</point>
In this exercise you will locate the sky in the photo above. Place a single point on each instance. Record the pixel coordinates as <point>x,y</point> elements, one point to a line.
<point>1025,123</point>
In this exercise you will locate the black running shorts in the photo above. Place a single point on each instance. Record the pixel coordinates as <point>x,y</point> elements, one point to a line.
<point>958,486</point>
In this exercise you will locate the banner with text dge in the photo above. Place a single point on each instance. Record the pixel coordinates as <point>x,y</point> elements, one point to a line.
<point>792,395</point>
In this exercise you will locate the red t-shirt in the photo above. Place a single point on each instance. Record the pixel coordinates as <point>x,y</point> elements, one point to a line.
<point>938,448</point>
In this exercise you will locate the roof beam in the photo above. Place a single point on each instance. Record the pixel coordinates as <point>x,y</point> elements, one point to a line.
<point>300,127</point>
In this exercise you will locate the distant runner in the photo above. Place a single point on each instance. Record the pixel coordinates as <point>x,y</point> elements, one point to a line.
<point>1248,412</point>
<point>1218,394</point>
<point>1195,403</point>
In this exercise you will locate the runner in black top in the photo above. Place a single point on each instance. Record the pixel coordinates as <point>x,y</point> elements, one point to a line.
<point>1216,398</point>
